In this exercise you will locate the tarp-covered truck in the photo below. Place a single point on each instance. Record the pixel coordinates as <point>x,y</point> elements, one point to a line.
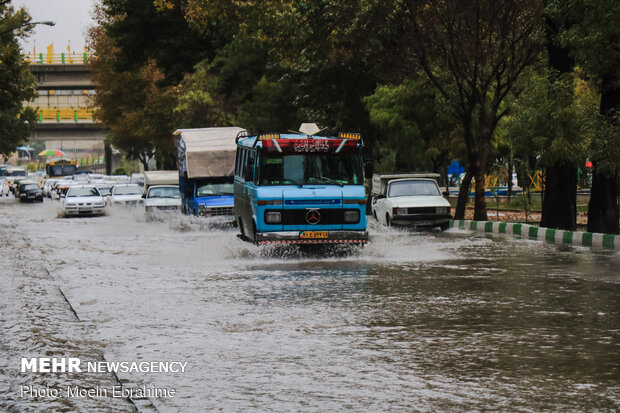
<point>206,168</point>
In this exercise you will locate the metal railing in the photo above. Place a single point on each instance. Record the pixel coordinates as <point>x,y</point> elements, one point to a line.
<point>57,58</point>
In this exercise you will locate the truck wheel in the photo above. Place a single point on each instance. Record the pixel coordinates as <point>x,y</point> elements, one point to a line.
<point>241,228</point>
<point>374,214</point>
<point>444,226</point>
<point>388,221</point>
<point>254,232</point>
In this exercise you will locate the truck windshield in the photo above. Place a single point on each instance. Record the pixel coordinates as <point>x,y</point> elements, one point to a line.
<point>61,170</point>
<point>413,188</point>
<point>164,192</point>
<point>212,189</point>
<point>311,169</point>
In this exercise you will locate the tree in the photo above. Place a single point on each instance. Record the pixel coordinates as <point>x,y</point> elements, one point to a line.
<point>17,84</point>
<point>133,107</point>
<point>551,122</point>
<point>415,126</point>
<point>593,41</point>
<point>473,52</point>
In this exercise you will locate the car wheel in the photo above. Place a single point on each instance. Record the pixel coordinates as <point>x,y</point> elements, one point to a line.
<point>444,226</point>
<point>388,221</point>
<point>374,214</point>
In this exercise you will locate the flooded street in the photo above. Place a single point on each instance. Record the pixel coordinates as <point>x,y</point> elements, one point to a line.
<point>411,322</point>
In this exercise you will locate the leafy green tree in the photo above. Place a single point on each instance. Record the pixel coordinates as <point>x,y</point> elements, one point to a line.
<point>137,112</point>
<point>593,41</point>
<point>414,124</point>
<point>17,84</point>
<point>552,122</point>
<point>473,53</point>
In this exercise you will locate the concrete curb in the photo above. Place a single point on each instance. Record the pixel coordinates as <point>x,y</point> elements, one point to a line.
<point>557,236</point>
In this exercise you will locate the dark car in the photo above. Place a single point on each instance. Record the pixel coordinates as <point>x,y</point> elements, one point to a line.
<point>30,191</point>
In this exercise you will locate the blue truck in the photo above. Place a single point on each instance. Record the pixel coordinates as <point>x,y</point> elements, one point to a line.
<point>206,159</point>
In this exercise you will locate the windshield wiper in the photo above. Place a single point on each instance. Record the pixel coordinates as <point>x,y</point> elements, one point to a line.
<point>333,181</point>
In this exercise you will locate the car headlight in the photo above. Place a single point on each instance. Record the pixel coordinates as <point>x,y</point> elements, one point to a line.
<point>443,210</point>
<point>273,217</point>
<point>71,204</point>
<point>399,211</point>
<point>352,217</point>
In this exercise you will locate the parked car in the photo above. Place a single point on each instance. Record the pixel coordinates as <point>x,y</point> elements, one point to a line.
<point>30,191</point>
<point>126,195</point>
<point>409,200</point>
<point>82,200</point>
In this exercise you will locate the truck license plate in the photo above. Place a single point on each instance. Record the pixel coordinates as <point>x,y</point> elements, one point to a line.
<point>423,223</point>
<point>313,234</point>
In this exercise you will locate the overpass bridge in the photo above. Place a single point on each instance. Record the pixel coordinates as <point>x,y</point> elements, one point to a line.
<point>64,102</point>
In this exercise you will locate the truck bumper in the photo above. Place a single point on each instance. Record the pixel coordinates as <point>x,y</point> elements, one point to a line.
<point>312,237</point>
<point>421,220</point>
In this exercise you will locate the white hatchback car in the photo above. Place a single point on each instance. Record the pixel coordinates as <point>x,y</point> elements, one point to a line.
<point>126,195</point>
<point>414,202</point>
<point>82,200</point>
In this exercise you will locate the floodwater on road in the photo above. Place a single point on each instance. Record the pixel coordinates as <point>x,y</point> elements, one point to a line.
<point>413,321</point>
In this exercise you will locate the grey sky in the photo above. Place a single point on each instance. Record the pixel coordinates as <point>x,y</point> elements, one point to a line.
<point>72,17</point>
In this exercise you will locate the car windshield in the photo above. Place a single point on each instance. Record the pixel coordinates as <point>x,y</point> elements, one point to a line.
<point>127,190</point>
<point>311,169</point>
<point>413,188</point>
<point>164,192</point>
<point>82,191</point>
<point>31,187</point>
<point>105,190</point>
<point>210,189</point>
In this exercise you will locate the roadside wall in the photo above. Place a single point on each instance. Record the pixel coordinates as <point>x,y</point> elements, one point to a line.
<point>557,236</point>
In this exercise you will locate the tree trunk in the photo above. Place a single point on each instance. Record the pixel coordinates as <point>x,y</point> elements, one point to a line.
<point>509,183</point>
<point>559,209</point>
<point>480,202</point>
<point>461,203</point>
<point>603,206</point>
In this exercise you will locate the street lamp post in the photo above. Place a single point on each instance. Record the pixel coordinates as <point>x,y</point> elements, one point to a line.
<point>45,22</point>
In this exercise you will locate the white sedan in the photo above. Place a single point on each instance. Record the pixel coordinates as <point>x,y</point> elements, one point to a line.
<point>125,195</point>
<point>412,202</point>
<point>82,200</point>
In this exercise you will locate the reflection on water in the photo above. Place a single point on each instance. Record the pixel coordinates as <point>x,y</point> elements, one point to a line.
<point>412,321</point>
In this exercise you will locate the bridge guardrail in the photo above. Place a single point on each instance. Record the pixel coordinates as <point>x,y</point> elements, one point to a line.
<point>57,58</point>
<point>66,115</point>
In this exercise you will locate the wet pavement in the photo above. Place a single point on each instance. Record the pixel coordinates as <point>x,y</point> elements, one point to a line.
<point>413,321</point>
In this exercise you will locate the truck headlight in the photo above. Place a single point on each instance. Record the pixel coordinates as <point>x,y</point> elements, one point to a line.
<point>204,210</point>
<point>351,217</point>
<point>443,210</point>
<point>399,211</point>
<point>273,217</point>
